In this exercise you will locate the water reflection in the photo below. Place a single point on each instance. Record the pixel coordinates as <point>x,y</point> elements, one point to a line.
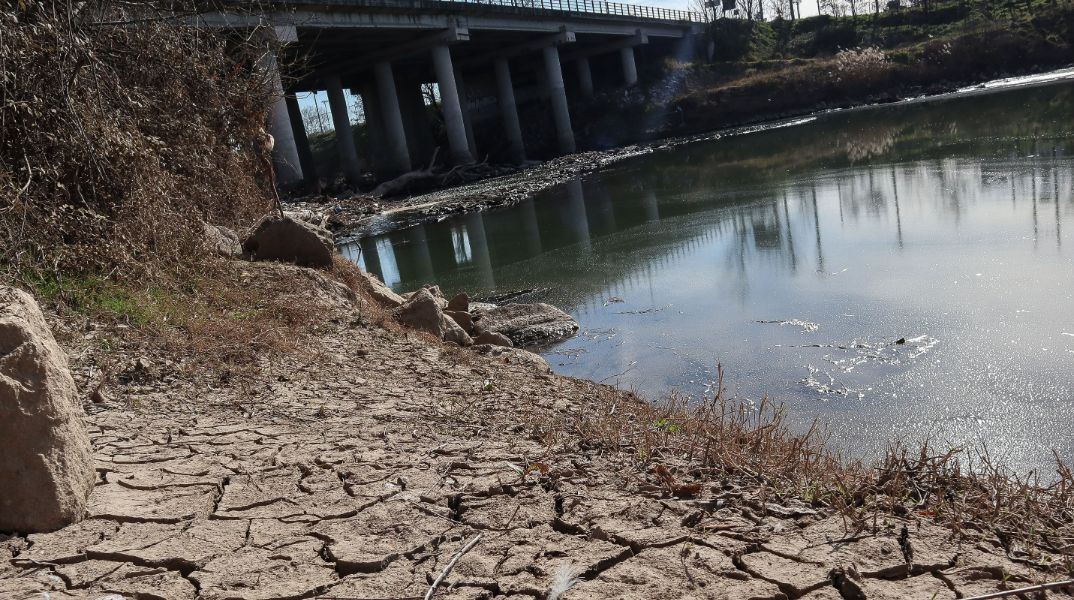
<point>938,223</point>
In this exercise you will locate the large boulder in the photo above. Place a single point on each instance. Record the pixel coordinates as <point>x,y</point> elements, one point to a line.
<point>46,461</point>
<point>526,324</point>
<point>290,240</point>
<point>422,312</point>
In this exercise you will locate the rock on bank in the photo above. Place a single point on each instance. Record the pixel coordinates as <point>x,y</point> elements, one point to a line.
<point>46,463</point>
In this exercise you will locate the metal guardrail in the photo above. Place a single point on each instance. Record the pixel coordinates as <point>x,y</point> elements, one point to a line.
<point>591,7</point>
<point>533,7</point>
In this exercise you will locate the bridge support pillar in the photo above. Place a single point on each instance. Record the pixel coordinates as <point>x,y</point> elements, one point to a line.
<point>374,123</point>
<point>394,132</point>
<point>630,68</point>
<point>302,143</point>
<point>558,97</point>
<point>416,121</point>
<point>585,77</point>
<point>450,104</point>
<point>509,111</point>
<point>466,120</point>
<point>285,159</point>
<point>348,155</point>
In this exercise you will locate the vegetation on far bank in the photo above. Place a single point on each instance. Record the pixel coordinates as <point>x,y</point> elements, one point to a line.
<point>764,70</point>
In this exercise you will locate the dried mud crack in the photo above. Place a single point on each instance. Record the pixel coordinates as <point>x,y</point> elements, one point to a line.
<point>361,470</point>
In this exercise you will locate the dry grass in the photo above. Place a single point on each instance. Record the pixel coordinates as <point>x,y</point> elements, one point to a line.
<point>117,141</point>
<point>682,445</point>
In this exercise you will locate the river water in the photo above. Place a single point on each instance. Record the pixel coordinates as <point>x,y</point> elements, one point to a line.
<point>897,272</point>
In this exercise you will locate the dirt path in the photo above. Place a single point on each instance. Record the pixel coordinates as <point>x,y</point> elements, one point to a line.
<point>359,468</point>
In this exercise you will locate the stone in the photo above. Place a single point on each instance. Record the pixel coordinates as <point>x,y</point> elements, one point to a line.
<point>528,324</point>
<point>463,319</point>
<point>380,293</point>
<point>422,312</point>
<point>461,302</point>
<point>46,462</point>
<point>289,240</point>
<point>514,356</point>
<point>496,339</point>
<point>222,241</point>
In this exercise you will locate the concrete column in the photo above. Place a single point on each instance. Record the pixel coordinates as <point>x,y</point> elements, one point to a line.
<point>305,155</point>
<point>509,110</point>
<point>585,78</point>
<point>466,120</point>
<point>419,136</point>
<point>558,97</point>
<point>285,159</point>
<point>630,69</point>
<point>394,133</point>
<point>348,155</point>
<point>374,123</point>
<point>452,107</point>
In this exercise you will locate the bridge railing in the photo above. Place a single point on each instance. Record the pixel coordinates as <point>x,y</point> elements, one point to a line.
<point>576,7</point>
<point>593,7</point>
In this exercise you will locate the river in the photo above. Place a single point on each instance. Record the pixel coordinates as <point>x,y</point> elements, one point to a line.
<point>903,271</point>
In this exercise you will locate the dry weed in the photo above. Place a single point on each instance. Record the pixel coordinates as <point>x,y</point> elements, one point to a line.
<point>684,443</point>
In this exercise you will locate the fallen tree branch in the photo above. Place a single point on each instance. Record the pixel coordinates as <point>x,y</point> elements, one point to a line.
<point>1033,588</point>
<point>451,565</point>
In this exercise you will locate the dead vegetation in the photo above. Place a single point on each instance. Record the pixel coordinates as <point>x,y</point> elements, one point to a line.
<point>117,141</point>
<point>685,447</point>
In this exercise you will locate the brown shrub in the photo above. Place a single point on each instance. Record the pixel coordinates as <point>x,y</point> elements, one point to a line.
<point>119,136</point>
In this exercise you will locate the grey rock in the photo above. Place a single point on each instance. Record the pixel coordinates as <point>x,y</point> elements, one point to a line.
<point>422,312</point>
<point>461,303</point>
<point>290,240</point>
<point>46,461</point>
<point>380,293</point>
<point>527,324</point>
<point>496,339</point>
<point>462,318</point>
<point>222,241</point>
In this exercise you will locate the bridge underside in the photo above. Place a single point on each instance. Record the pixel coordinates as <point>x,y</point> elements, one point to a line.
<point>498,70</point>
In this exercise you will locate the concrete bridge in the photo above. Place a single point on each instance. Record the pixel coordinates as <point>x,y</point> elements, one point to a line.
<point>487,57</point>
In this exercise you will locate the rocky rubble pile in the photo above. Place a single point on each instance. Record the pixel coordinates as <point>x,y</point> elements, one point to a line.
<point>466,324</point>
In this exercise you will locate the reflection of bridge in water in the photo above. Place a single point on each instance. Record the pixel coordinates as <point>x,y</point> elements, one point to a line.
<point>582,241</point>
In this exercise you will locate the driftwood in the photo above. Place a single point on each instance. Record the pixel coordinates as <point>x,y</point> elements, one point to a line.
<point>430,177</point>
<point>403,182</point>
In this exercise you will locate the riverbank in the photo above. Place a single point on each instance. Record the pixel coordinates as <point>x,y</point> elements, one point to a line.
<point>358,461</point>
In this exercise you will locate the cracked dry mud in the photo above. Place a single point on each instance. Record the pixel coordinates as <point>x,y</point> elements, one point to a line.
<point>359,469</point>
